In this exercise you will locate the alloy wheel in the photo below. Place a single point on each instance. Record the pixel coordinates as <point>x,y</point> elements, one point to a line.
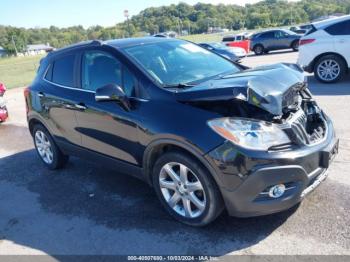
<point>258,50</point>
<point>44,147</point>
<point>328,70</point>
<point>182,190</point>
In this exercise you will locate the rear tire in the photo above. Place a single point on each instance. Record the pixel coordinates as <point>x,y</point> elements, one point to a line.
<point>258,49</point>
<point>329,69</point>
<point>47,149</point>
<point>196,200</point>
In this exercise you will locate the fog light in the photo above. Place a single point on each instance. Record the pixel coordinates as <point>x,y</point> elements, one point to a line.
<point>277,191</point>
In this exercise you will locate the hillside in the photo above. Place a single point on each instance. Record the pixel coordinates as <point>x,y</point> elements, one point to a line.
<point>194,19</point>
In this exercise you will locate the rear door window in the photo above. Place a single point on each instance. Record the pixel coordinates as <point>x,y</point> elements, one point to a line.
<point>280,34</point>
<point>342,28</point>
<point>63,71</point>
<point>268,35</point>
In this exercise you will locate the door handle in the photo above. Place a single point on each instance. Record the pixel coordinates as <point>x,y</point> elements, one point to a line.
<point>41,94</point>
<point>81,106</point>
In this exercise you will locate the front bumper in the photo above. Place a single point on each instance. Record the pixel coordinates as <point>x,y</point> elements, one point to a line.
<point>244,177</point>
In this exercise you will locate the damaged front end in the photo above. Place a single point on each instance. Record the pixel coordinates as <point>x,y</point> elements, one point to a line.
<point>276,95</point>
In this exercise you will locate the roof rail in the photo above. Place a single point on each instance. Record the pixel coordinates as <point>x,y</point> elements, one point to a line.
<point>95,42</point>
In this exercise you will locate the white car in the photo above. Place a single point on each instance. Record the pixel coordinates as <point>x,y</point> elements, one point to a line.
<point>325,49</point>
<point>238,51</point>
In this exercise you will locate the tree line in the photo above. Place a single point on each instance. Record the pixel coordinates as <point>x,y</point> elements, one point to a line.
<point>194,19</point>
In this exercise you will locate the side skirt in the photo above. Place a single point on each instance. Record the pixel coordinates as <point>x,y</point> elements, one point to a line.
<point>103,160</point>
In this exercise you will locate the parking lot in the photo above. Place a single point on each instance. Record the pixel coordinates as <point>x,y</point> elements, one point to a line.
<point>85,209</point>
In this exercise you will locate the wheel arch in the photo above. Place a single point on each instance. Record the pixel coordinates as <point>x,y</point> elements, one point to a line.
<point>33,122</point>
<point>295,40</point>
<point>158,147</point>
<point>314,61</point>
<point>256,44</point>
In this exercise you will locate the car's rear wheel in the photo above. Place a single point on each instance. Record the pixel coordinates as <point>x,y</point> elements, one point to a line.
<point>295,46</point>
<point>186,189</point>
<point>47,150</point>
<point>329,69</point>
<point>258,49</point>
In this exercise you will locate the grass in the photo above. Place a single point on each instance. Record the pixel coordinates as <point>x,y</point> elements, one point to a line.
<point>18,71</point>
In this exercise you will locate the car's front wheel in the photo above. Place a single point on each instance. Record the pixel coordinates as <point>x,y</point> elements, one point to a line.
<point>258,49</point>
<point>186,189</point>
<point>329,69</point>
<point>295,46</point>
<point>47,150</point>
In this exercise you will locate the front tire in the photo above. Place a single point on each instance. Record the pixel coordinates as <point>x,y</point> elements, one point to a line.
<point>47,149</point>
<point>186,189</point>
<point>259,49</point>
<point>329,69</point>
<point>295,46</point>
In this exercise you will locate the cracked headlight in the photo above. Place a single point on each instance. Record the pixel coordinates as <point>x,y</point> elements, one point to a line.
<point>250,134</point>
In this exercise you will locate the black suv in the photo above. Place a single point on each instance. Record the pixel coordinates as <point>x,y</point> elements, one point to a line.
<point>266,41</point>
<point>206,133</point>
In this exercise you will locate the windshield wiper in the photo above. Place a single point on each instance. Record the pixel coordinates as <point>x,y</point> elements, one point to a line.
<point>179,85</point>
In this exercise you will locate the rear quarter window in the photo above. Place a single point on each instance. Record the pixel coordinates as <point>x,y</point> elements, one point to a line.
<point>48,75</point>
<point>63,71</point>
<point>341,28</point>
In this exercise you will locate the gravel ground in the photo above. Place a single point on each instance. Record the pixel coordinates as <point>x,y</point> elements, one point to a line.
<point>85,209</point>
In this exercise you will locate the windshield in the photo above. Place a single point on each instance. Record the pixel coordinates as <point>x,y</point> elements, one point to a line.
<point>178,62</point>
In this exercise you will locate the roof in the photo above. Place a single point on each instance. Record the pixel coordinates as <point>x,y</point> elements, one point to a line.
<point>38,47</point>
<point>77,45</point>
<point>324,23</point>
<point>117,43</point>
<point>126,42</point>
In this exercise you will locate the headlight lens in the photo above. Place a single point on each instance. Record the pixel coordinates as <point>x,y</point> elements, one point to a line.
<point>251,134</point>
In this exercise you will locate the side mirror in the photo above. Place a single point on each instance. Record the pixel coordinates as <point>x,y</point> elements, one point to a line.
<point>112,92</point>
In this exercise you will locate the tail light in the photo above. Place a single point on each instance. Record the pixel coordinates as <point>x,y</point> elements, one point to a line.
<point>26,95</point>
<point>26,92</point>
<point>306,41</point>
<point>2,89</point>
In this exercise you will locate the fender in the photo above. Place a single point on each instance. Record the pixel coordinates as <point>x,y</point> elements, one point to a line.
<point>37,117</point>
<point>190,148</point>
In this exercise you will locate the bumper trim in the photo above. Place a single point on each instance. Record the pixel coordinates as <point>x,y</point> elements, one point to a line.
<point>320,178</point>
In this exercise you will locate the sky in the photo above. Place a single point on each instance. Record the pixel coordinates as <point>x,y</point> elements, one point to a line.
<point>65,13</point>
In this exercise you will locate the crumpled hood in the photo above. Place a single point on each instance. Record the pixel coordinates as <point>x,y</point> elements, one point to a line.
<point>271,88</point>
